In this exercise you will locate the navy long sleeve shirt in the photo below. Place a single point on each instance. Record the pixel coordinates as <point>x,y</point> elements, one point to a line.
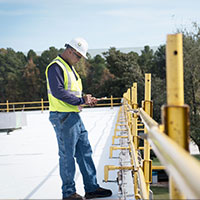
<point>56,83</point>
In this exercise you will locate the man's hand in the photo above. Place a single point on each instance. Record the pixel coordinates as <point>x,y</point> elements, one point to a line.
<point>89,100</point>
<point>93,101</point>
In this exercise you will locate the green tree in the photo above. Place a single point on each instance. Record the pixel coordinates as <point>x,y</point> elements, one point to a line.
<point>31,82</point>
<point>158,90</point>
<point>2,75</point>
<point>12,67</point>
<point>126,70</point>
<point>97,75</point>
<point>158,71</point>
<point>41,63</point>
<point>159,62</point>
<point>82,67</point>
<point>145,60</point>
<point>191,46</point>
<point>32,55</point>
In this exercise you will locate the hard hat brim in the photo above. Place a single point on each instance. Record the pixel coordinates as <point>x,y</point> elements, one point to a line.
<point>76,50</point>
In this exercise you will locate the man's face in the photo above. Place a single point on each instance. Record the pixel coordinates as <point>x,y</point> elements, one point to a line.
<point>76,56</point>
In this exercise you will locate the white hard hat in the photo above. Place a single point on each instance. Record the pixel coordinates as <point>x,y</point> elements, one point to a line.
<point>80,45</point>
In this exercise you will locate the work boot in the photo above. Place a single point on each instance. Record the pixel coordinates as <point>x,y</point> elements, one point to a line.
<point>74,196</point>
<point>99,192</point>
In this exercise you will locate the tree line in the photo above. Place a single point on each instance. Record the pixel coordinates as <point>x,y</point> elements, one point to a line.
<point>22,77</point>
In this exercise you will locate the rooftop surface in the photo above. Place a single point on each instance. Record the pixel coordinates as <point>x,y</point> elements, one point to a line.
<point>29,156</point>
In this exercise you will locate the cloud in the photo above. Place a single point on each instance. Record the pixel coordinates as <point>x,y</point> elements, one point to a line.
<point>20,1</point>
<point>135,13</point>
<point>16,12</point>
<point>117,13</point>
<point>19,7</point>
<point>108,1</point>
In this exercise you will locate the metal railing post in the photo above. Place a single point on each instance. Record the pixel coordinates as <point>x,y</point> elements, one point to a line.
<point>175,113</point>
<point>7,105</point>
<point>134,117</point>
<point>148,109</point>
<point>129,95</point>
<point>111,102</point>
<point>134,96</point>
<point>42,104</point>
<point>134,133</point>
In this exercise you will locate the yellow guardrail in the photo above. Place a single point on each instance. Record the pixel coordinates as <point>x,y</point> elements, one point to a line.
<point>169,140</point>
<point>44,105</point>
<point>184,169</point>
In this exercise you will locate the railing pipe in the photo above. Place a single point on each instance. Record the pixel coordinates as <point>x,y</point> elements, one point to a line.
<point>178,162</point>
<point>41,104</point>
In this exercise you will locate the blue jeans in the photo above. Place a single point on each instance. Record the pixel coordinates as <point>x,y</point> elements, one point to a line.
<point>73,143</point>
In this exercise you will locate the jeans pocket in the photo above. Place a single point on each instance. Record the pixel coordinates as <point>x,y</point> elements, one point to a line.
<point>53,116</point>
<point>64,118</point>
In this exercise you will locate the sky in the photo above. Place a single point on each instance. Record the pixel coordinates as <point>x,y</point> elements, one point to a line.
<point>40,24</point>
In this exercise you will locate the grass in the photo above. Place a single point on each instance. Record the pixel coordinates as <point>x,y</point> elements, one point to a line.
<point>160,192</point>
<point>156,162</point>
<point>197,156</point>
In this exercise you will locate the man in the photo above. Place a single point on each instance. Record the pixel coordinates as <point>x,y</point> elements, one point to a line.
<point>65,97</point>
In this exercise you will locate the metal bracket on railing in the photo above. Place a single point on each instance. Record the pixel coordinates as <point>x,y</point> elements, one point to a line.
<point>110,181</point>
<point>107,168</point>
<point>170,113</point>
<point>118,136</point>
<point>147,169</point>
<point>117,148</point>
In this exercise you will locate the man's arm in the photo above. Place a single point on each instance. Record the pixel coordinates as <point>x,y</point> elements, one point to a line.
<point>56,83</point>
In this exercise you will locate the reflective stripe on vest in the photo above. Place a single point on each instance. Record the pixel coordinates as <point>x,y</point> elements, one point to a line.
<point>71,92</point>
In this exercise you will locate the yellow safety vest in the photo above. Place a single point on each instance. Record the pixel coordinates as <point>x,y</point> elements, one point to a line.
<point>72,85</point>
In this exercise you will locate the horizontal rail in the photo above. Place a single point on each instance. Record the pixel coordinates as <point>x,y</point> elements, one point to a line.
<point>108,104</point>
<point>21,103</point>
<point>39,102</point>
<point>10,106</point>
<point>26,108</point>
<point>46,107</point>
<point>178,162</point>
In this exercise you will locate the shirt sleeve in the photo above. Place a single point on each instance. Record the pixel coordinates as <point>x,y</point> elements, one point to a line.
<point>56,83</point>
